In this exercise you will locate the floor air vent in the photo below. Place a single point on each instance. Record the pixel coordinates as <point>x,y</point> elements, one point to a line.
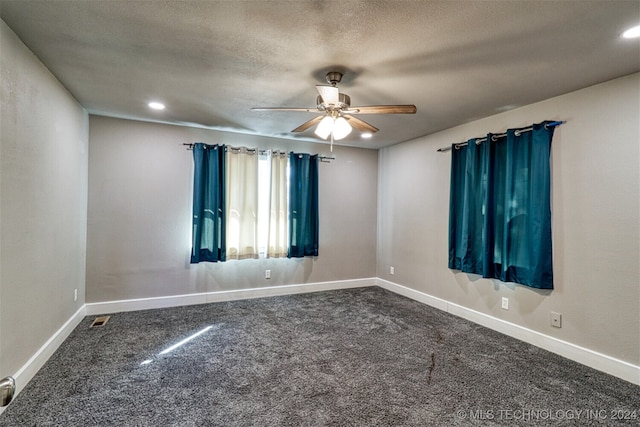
<point>100,321</point>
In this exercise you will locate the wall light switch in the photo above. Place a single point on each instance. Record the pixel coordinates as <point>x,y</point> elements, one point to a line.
<point>267,274</point>
<point>505,303</point>
<point>392,270</point>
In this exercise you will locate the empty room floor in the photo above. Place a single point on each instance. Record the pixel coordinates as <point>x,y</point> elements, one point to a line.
<point>355,357</point>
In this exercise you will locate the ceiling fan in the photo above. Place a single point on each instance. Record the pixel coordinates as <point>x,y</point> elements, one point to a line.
<point>338,118</point>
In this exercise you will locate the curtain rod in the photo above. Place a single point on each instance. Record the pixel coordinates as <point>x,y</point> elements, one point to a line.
<point>499,135</point>
<point>321,157</point>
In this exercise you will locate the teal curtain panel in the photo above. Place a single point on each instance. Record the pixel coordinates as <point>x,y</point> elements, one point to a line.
<point>208,233</point>
<point>303,205</point>
<point>500,207</point>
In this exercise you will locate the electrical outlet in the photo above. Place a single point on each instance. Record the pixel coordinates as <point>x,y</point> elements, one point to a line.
<point>556,320</point>
<point>75,295</point>
<point>267,274</point>
<point>505,303</point>
<point>392,270</point>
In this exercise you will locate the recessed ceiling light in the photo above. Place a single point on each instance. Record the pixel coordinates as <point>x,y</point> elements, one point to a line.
<point>366,135</point>
<point>156,105</point>
<point>632,33</point>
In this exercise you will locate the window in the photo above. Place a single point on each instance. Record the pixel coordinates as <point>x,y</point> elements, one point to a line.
<point>251,203</point>
<point>256,188</point>
<point>500,207</point>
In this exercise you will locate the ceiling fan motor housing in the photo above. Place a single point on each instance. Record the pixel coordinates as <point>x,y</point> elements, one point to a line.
<point>344,101</point>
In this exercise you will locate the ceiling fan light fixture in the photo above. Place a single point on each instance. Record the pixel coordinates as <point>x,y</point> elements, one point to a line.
<point>341,128</point>
<point>324,128</point>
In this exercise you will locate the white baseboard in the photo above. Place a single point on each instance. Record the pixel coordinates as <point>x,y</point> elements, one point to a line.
<point>209,297</point>
<point>585,356</point>
<point>37,361</point>
<point>435,302</point>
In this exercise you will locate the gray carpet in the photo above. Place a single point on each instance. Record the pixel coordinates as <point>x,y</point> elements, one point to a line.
<point>358,357</point>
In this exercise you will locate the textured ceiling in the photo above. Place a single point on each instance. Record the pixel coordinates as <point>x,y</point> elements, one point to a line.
<point>211,61</point>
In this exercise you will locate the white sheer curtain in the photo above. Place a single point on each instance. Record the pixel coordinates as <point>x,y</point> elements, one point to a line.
<point>278,212</point>
<point>242,203</point>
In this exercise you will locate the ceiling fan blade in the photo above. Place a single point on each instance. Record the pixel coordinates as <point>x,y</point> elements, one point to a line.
<point>306,110</point>
<point>383,109</point>
<point>330,94</point>
<point>306,125</point>
<point>361,125</point>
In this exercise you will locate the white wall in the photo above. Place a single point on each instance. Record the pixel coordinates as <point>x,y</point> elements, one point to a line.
<point>43,204</point>
<point>139,215</point>
<point>595,210</point>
